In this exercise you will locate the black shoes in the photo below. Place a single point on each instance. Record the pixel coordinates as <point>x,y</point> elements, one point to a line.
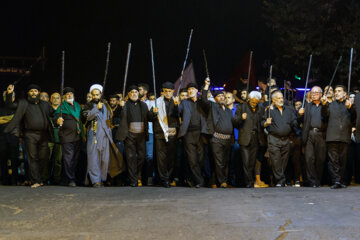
<point>166,184</point>
<point>338,185</point>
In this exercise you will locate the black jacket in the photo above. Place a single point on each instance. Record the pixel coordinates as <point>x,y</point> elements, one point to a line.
<point>212,109</point>
<point>185,110</point>
<point>16,124</point>
<point>339,121</point>
<point>306,120</point>
<point>123,129</point>
<point>246,126</point>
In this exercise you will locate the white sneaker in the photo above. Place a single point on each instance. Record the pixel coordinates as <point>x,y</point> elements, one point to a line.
<point>297,184</point>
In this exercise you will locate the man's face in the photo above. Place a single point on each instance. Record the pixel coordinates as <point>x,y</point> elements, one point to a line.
<point>113,102</point>
<point>44,96</point>
<point>95,95</point>
<point>183,96</point>
<point>330,93</point>
<point>133,95</point>
<point>262,85</point>
<point>243,95</point>
<point>168,93</point>
<point>69,96</point>
<point>339,93</point>
<point>192,92</point>
<point>33,93</point>
<point>253,102</point>
<point>352,98</point>
<point>152,97</point>
<point>229,99</point>
<point>298,105</point>
<point>220,98</point>
<point>243,80</point>
<point>88,97</point>
<point>142,92</point>
<point>55,99</point>
<point>278,99</point>
<point>316,94</point>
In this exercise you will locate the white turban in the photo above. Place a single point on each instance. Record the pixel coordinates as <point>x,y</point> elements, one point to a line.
<point>96,86</point>
<point>255,94</point>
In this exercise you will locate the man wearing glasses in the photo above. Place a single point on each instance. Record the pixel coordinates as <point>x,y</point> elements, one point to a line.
<point>313,136</point>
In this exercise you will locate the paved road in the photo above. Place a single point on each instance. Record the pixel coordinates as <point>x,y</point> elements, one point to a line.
<point>179,213</point>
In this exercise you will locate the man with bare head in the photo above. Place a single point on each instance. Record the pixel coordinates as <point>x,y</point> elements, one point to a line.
<point>279,120</point>
<point>313,136</point>
<point>44,96</point>
<point>338,114</point>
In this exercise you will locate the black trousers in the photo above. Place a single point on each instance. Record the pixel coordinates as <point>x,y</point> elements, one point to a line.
<point>9,153</point>
<point>194,148</point>
<point>135,154</point>
<point>295,157</point>
<point>165,156</point>
<point>279,150</point>
<point>315,155</point>
<point>37,151</point>
<point>70,155</point>
<point>248,156</point>
<point>220,150</point>
<point>337,152</point>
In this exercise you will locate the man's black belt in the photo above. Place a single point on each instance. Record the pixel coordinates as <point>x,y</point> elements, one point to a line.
<point>281,138</point>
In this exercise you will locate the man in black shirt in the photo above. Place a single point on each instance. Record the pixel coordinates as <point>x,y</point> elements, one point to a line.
<point>338,133</point>
<point>133,130</point>
<point>251,134</point>
<point>71,133</point>
<point>165,118</point>
<point>192,128</point>
<point>313,136</point>
<point>279,124</point>
<point>35,115</point>
<point>9,147</point>
<point>220,125</point>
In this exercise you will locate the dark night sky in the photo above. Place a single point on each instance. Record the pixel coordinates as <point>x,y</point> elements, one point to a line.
<point>226,29</point>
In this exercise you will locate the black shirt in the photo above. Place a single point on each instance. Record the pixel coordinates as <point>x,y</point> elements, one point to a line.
<point>315,115</point>
<point>224,123</point>
<point>134,111</point>
<point>35,119</point>
<point>195,121</point>
<point>281,124</point>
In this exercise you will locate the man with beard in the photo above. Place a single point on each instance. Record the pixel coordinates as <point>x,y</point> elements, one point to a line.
<point>143,91</point>
<point>116,106</point>
<point>251,135</point>
<point>102,154</point>
<point>313,137</point>
<point>9,147</point>
<point>183,94</point>
<point>35,115</point>
<point>133,130</point>
<point>55,144</point>
<point>330,94</point>
<point>165,119</point>
<point>220,124</point>
<point>44,96</point>
<point>242,85</point>
<point>71,133</point>
<point>192,128</point>
<point>279,125</point>
<point>338,133</point>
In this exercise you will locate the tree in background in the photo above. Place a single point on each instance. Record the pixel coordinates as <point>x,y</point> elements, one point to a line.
<point>325,28</point>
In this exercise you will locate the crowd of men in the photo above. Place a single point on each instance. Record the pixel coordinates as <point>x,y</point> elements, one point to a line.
<point>200,138</point>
